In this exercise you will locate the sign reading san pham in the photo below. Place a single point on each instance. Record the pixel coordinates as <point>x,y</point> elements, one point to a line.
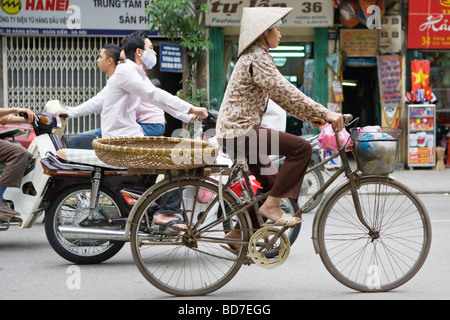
<point>429,24</point>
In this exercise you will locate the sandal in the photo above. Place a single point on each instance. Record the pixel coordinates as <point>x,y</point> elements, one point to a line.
<point>285,221</point>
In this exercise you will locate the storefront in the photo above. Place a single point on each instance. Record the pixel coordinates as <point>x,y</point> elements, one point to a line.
<point>50,50</point>
<point>345,54</point>
<point>428,72</point>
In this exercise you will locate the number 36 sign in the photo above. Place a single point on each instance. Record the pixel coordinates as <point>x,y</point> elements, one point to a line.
<point>306,13</point>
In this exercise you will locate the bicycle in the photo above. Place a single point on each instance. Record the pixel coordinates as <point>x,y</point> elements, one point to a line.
<point>372,233</point>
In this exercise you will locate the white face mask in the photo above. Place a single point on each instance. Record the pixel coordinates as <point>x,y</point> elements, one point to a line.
<point>149,59</point>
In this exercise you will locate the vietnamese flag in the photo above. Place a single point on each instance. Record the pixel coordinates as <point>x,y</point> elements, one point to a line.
<point>420,74</point>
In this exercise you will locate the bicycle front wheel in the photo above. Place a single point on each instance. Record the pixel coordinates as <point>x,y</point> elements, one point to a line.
<point>196,261</point>
<point>389,256</point>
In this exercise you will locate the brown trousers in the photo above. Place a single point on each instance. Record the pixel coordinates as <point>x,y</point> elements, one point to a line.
<point>258,144</point>
<point>14,158</point>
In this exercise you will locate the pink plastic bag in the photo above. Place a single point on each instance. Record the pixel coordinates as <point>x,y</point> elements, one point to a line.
<point>327,139</point>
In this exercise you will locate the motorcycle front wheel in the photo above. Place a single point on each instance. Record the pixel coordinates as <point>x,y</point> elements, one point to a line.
<point>70,208</point>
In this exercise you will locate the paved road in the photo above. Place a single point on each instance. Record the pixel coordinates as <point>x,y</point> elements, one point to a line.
<point>29,269</point>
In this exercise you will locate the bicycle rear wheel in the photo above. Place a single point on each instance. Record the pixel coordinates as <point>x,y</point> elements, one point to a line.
<point>312,182</point>
<point>386,259</point>
<point>197,261</point>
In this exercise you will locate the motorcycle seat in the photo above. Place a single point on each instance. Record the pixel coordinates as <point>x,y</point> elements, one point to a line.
<point>86,157</point>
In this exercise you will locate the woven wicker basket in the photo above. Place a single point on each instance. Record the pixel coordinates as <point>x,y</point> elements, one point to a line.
<point>155,152</point>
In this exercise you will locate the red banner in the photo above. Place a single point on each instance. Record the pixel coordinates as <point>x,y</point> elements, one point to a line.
<point>429,24</point>
<point>420,74</point>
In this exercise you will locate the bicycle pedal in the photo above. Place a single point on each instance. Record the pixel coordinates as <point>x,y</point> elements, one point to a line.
<point>248,261</point>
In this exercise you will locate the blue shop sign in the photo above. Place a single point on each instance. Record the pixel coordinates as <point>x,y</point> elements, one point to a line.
<point>171,58</point>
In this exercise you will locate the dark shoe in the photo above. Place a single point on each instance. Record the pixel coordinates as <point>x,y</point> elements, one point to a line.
<point>171,224</point>
<point>7,211</point>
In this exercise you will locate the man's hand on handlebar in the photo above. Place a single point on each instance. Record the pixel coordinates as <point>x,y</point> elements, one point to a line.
<point>27,114</point>
<point>198,113</point>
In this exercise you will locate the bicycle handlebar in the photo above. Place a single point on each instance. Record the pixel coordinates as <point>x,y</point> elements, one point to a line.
<point>348,118</point>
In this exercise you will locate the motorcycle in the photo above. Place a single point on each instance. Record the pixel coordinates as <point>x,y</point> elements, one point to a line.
<point>85,194</point>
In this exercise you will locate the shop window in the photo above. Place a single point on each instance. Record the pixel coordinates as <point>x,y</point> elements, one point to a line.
<point>440,84</point>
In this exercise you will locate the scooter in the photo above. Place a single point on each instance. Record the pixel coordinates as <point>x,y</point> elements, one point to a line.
<point>88,194</point>
<point>26,200</point>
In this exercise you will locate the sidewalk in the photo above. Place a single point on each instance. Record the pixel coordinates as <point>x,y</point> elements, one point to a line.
<point>424,180</point>
<point>420,180</point>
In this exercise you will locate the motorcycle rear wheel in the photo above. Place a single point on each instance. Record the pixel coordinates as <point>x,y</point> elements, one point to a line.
<point>70,208</point>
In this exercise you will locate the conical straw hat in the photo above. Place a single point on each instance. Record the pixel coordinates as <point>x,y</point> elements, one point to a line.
<point>255,21</point>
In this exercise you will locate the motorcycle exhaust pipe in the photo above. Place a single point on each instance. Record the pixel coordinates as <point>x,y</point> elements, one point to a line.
<point>79,233</point>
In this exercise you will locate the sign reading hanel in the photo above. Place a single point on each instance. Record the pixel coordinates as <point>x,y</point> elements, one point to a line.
<point>429,24</point>
<point>72,17</point>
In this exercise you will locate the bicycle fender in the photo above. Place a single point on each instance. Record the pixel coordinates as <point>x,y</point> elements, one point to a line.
<point>315,226</point>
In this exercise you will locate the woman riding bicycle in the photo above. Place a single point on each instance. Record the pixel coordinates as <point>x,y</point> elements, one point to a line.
<point>254,80</point>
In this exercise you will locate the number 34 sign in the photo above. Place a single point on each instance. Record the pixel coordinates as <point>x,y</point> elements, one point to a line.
<point>429,26</point>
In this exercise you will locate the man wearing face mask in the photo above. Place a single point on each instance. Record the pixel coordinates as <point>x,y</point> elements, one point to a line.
<point>129,86</point>
<point>130,97</point>
<point>149,116</point>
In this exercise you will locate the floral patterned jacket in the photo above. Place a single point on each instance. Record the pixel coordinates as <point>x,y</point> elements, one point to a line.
<point>255,79</point>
